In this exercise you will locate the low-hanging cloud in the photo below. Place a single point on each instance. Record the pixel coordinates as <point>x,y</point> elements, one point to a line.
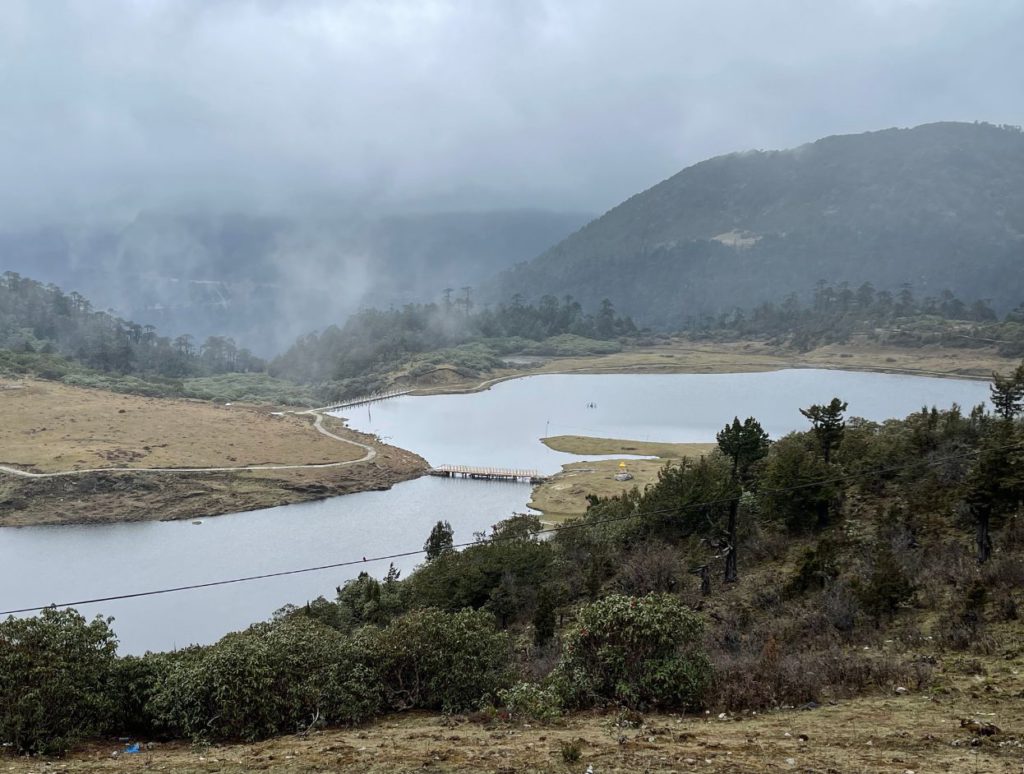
<point>574,104</point>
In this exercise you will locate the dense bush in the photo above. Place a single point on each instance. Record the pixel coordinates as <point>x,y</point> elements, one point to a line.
<point>429,659</point>
<point>570,345</point>
<point>270,679</point>
<point>247,387</point>
<point>636,651</point>
<point>531,701</point>
<point>500,574</point>
<point>55,674</point>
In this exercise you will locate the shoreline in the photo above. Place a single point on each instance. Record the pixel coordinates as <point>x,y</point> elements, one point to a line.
<point>119,494</point>
<point>562,495</point>
<point>84,456</point>
<point>552,367</point>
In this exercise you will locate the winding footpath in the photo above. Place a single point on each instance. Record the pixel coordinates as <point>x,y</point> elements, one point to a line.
<point>369,455</point>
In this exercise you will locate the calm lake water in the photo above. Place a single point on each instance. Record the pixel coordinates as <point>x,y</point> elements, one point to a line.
<point>42,565</point>
<point>499,427</point>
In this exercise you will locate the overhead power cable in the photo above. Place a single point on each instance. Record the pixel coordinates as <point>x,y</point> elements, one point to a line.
<point>500,538</point>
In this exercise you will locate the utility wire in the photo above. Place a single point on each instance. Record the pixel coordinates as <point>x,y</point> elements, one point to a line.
<point>499,538</point>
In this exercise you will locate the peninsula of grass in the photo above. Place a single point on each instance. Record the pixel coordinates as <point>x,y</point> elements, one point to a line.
<point>583,445</point>
<point>564,495</point>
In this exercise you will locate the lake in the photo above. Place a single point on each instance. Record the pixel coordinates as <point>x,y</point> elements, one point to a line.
<point>498,427</point>
<point>501,427</point>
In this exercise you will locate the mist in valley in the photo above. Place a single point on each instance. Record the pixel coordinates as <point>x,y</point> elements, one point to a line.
<point>263,169</point>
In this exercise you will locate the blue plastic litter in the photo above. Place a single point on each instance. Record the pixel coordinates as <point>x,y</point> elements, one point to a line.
<point>132,748</point>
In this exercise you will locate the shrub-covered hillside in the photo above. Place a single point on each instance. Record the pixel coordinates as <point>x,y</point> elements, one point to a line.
<point>842,559</point>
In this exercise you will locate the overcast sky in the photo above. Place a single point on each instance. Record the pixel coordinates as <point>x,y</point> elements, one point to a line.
<point>567,105</point>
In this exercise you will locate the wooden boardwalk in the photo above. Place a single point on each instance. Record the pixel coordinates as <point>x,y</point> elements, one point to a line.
<point>489,474</point>
<point>377,396</point>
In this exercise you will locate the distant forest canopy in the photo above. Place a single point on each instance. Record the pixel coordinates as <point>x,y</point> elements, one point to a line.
<point>264,279</point>
<point>38,318</point>
<point>940,206</point>
<point>58,335</point>
<point>835,313</point>
<point>373,339</point>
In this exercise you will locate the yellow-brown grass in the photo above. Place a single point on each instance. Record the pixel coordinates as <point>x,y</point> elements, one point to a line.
<point>565,494</point>
<point>48,427</point>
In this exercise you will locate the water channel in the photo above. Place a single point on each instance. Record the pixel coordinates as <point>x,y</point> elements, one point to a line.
<point>498,427</point>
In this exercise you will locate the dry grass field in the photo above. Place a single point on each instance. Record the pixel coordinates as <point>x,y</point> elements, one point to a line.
<point>565,494</point>
<point>48,427</point>
<point>682,355</point>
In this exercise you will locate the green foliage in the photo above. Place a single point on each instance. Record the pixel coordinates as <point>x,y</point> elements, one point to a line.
<point>270,679</point>
<point>789,487</point>
<point>531,701</point>
<point>120,383</point>
<point>375,341</point>
<point>434,640</point>
<point>886,588</point>
<point>828,425</point>
<point>41,318</point>
<point>744,444</point>
<point>746,228</point>
<point>635,651</point>
<point>365,600</point>
<point>134,682</point>
<point>493,573</point>
<point>693,494</point>
<point>430,659</point>
<point>247,388</point>
<point>817,569</point>
<point>571,345</point>
<point>571,750</point>
<point>1008,393</point>
<point>544,617</point>
<point>55,676</point>
<point>835,314</point>
<point>439,541</point>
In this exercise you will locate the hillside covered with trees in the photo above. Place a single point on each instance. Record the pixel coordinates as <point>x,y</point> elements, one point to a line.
<point>938,206</point>
<point>263,279</point>
<point>55,335</point>
<point>42,318</point>
<point>835,314</point>
<point>373,342</point>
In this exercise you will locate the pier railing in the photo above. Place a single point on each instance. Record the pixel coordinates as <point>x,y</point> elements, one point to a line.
<point>362,401</point>
<point>489,474</point>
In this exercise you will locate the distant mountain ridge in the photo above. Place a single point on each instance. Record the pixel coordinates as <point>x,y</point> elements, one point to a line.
<point>937,206</point>
<point>264,280</point>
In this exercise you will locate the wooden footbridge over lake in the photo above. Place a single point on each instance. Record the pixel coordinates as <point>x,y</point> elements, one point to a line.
<point>489,474</point>
<point>362,401</point>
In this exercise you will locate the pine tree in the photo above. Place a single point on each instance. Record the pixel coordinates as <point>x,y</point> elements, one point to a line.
<point>440,540</point>
<point>744,444</point>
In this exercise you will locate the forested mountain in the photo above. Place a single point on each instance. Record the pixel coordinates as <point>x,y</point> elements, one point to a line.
<point>264,280</point>
<point>835,314</point>
<point>940,206</point>
<point>374,341</point>
<point>42,319</point>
